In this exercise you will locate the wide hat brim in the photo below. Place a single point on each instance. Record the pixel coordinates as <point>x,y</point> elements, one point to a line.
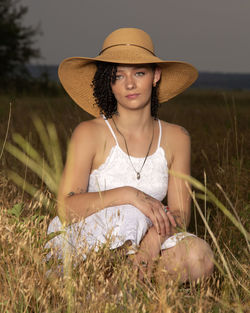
<point>76,74</point>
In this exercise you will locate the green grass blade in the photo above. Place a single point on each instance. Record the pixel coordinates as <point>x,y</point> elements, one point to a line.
<point>30,151</point>
<point>43,135</point>
<point>19,181</point>
<point>35,167</point>
<point>212,198</point>
<point>56,151</point>
<point>224,262</point>
<point>34,192</point>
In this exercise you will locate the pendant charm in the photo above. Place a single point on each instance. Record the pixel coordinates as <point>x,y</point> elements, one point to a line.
<point>138,176</point>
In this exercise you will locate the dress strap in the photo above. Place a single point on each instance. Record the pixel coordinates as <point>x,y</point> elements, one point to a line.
<point>111,130</point>
<point>160,134</point>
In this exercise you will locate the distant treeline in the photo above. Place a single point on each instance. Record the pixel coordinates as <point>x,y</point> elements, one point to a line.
<point>206,79</point>
<point>223,81</point>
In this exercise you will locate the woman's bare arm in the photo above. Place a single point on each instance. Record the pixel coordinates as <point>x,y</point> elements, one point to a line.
<point>179,198</point>
<point>178,195</point>
<point>74,202</point>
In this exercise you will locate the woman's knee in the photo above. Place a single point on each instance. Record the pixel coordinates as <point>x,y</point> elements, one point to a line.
<point>190,259</point>
<point>200,258</point>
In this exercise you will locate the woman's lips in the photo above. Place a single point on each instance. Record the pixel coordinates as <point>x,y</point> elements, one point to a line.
<point>132,96</point>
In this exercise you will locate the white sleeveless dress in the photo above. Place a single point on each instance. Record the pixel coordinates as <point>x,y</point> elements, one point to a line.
<point>117,224</point>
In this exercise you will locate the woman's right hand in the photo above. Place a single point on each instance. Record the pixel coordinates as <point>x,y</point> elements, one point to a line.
<point>154,210</point>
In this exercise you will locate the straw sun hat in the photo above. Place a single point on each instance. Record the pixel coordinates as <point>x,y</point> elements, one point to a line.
<point>123,46</point>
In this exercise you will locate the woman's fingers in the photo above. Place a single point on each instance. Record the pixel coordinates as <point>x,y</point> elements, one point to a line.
<point>165,221</point>
<point>161,218</point>
<point>155,221</point>
<point>171,219</point>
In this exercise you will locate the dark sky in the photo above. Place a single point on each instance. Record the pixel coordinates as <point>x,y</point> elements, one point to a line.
<point>213,35</point>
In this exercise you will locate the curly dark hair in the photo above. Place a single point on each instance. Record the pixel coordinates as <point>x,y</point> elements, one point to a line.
<point>104,97</point>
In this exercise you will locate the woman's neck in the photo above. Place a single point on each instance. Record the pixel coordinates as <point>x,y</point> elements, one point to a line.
<point>133,121</point>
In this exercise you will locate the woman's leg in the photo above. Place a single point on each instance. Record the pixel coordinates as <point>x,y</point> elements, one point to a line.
<point>189,260</point>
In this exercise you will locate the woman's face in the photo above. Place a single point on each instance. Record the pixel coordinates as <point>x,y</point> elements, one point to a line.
<point>133,85</point>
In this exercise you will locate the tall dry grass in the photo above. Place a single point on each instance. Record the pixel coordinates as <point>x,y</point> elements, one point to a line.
<point>105,282</point>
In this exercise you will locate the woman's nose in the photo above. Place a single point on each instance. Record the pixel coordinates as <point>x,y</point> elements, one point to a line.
<point>130,83</point>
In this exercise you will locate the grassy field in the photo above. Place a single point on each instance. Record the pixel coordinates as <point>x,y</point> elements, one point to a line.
<point>218,122</point>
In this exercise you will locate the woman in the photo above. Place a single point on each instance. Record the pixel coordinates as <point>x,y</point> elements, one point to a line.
<point>116,174</point>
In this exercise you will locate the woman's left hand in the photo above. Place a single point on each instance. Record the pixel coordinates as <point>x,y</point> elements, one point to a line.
<point>161,218</point>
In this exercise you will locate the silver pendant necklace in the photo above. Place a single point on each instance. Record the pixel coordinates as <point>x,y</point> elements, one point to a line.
<point>138,173</point>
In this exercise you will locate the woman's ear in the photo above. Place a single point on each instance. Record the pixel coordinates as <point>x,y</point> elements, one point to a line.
<point>157,75</point>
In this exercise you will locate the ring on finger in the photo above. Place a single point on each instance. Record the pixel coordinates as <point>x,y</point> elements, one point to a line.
<point>166,209</point>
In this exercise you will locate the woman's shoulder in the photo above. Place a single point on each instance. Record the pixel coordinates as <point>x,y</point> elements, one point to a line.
<point>175,137</point>
<point>88,131</point>
<point>174,131</point>
<point>89,127</point>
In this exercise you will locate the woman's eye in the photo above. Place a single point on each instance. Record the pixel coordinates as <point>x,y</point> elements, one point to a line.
<point>117,77</point>
<point>140,73</point>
